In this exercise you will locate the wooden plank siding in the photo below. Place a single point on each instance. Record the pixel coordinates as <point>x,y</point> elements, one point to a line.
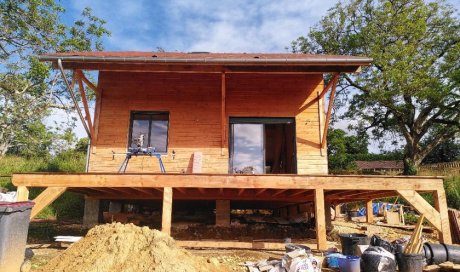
<point>194,104</point>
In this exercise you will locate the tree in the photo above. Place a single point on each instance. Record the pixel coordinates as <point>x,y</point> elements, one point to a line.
<point>447,151</point>
<point>412,88</point>
<point>341,147</point>
<point>29,89</point>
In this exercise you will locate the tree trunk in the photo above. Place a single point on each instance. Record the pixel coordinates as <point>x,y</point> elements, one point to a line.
<point>410,166</point>
<point>3,149</point>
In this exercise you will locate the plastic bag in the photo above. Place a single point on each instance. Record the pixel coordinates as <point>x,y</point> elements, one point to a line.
<point>8,197</point>
<point>377,259</point>
<point>379,242</point>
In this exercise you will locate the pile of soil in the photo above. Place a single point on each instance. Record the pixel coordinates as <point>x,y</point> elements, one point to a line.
<point>119,247</point>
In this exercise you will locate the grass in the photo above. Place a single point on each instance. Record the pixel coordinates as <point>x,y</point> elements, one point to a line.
<point>68,206</point>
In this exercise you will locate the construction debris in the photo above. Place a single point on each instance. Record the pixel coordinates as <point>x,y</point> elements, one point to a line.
<point>416,241</point>
<point>299,259</point>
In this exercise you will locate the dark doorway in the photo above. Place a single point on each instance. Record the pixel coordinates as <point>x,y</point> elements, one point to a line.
<point>262,146</point>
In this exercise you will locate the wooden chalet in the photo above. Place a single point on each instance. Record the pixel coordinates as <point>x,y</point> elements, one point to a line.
<point>243,130</point>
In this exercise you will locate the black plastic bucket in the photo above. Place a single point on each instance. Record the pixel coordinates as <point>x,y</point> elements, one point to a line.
<point>350,242</point>
<point>435,253</point>
<point>410,262</point>
<point>351,214</point>
<point>14,225</point>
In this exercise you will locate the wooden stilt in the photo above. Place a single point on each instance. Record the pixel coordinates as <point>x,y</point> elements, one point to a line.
<point>45,198</point>
<point>440,204</point>
<point>22,193</point>
<point>320,220</point>
<point>369,212</point>
<point>167,210</point>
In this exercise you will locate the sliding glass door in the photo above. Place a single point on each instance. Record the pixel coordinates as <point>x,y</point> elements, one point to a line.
<point>262,145</point>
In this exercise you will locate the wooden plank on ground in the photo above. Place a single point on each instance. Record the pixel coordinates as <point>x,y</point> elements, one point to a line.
<point>241,245</point>
<point>45,198</point>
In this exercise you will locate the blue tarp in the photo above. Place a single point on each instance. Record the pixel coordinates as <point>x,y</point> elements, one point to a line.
<point>376,207</point>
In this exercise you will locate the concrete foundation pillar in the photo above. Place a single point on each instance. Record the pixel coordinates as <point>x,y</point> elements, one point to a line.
<point>223,213</point>
<point>92,212</point>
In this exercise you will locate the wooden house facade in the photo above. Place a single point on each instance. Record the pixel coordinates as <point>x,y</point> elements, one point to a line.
<point>238,129</point>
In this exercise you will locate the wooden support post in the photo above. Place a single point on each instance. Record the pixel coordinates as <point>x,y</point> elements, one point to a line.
<point>440,204</point>
<point>45,198</point>
<point>223,213</point>
<point>320,220</point>
<point>223,115</point>
<point>167,210</point>
<point>85,103</point>
<point>369,212</point>
<point>292,211</point>
<point>338,212</point>
<point>329,111</point>
<point>22,193</point>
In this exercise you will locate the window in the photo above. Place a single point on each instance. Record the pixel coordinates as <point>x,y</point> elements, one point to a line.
<point>262,146</point>
<point>149,129</point>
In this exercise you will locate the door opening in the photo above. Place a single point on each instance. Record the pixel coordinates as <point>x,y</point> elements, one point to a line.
<point>262,146</point>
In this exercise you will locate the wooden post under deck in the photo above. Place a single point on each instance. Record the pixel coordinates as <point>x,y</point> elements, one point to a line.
<point>320,220</point>
<point>167,210</point>
<point>223,213</point>
<point>440,204</point>
<point>369,212</point>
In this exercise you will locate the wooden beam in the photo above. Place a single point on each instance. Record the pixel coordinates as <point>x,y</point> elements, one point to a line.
<point>279,192</point>
<point>260,191</point>
<point>322,94</point>
<point>85,103</point>
<point>223,115</point>
<point>22,193</point>
<point>369,212</point>
<point>97,113</point>
<point>320,220</point>
<point>258,244</point>
<point>329,109</point>
<point>181,190</point>
<point>240,191</point>
<point>423,207</point>
<point>299,192</point>
<point>326,182</point>
<point>201,190</point>
<point>215,68</point>
<point>440,204</point>
<point>45,198</point>
<point>88,83</point>
<point>167,210</point>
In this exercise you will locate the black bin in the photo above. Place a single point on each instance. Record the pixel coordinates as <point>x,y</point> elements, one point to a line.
<point>14,225</point>
<point>350,242</point>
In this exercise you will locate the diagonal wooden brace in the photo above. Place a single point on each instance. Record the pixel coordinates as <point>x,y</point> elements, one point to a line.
<point>423,207</point>
<point>45,198</point>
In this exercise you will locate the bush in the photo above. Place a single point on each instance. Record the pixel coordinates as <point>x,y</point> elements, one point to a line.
<point>452,187</point>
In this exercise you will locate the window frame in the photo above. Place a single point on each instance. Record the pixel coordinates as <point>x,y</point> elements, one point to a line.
<point>150,113</point>
<point>263,121</point>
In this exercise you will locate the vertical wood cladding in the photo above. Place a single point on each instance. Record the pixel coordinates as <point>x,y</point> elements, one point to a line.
<point>194,104</point>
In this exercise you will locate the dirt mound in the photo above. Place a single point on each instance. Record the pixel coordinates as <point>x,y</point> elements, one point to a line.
<point>119,247</point>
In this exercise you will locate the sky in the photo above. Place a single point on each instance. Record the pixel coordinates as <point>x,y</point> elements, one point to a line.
<point>262,26</point>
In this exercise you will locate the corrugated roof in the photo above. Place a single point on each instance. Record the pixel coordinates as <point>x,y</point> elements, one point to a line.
<point>363,165</point>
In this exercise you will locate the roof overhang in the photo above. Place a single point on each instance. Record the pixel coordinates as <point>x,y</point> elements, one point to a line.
<point>208,62</point>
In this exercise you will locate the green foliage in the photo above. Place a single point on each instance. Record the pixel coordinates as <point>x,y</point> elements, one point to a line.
<point>340,147</point>
<point>452,187</point>
<point>447,151</point>
<point>29,88</point>
<point>412,88</point>
<point>67,206</point>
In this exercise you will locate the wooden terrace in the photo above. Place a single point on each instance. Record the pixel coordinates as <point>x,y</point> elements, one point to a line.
<point>276,190</point>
